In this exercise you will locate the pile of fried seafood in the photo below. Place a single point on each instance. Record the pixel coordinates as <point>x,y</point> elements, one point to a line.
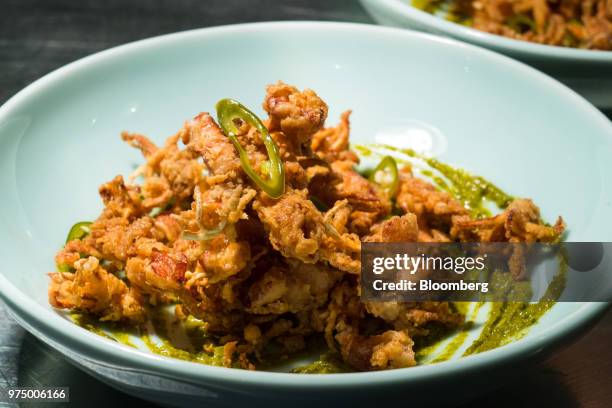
<point>199,233</point>
<point>571,23</point>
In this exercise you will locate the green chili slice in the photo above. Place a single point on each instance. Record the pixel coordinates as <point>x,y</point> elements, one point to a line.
<point>229,112</point>
<point>386,176</point>
<point>78,231</point>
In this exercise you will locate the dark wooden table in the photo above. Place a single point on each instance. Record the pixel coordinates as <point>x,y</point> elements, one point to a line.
<point>37,36</point>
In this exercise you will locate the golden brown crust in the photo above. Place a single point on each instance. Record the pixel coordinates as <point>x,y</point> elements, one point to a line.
<point>94,290</point>
<point>259,270</point>
<point>297,114</point>
<point>575,23</point>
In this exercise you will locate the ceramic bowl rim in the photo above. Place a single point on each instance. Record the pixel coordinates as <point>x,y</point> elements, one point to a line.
<point>406,10</point>
<point>47,322</point>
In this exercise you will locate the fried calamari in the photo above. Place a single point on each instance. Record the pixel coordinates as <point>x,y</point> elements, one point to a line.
<point>191,228</point>
<point>570,23</point>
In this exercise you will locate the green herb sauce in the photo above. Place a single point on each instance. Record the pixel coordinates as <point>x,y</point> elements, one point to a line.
<point>90,324</point>
<point>162,335</point>
<point>474,192</point>
<point>454,345</point>
<point>328,363</point>
<point>426,346</point>
<point>510,321</point>
<point>471,190</point>
<point>507,321</point>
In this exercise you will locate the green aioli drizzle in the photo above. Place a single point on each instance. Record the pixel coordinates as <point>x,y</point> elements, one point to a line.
<point>426,346</point>
<point>507,321</point>
<point>328,363</point>
<point>457,340</point>
<point>510,321</point>
<point>162,336</point>
<point>123,338</point>
<point>470,190</point>
<point>452,347</point>
<point>90,324</point>
<point>474,192</point>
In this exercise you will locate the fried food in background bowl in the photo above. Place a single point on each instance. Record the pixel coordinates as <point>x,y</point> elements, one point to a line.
<point>418,101</point>
<point>569,40</point>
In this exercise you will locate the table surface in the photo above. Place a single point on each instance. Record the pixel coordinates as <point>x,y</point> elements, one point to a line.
<point>37,36</point>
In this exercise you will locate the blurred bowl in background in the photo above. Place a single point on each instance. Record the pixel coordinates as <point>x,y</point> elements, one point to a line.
<point>588,72</point>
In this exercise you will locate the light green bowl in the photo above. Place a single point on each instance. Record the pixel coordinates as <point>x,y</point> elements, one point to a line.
<point>586,71</point>
<point>472,108</point>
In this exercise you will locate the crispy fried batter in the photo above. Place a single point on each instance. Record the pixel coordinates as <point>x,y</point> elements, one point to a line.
<point>391,349</point>
<point>257,270</point>
<point>343,182</point>
<point>299,230</point>
<point>332,144</point>
<point>395,229</point>
<point>296,114</point>
<point>94,290</point>
<point>571,23</point>
<point>433,208</point>
<point>294,287</point>
<point>520,222</point>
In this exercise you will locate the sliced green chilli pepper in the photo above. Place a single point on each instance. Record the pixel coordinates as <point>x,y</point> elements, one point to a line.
<point>229,112</point>
<point>386,176</point>
<point>78,231</point>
